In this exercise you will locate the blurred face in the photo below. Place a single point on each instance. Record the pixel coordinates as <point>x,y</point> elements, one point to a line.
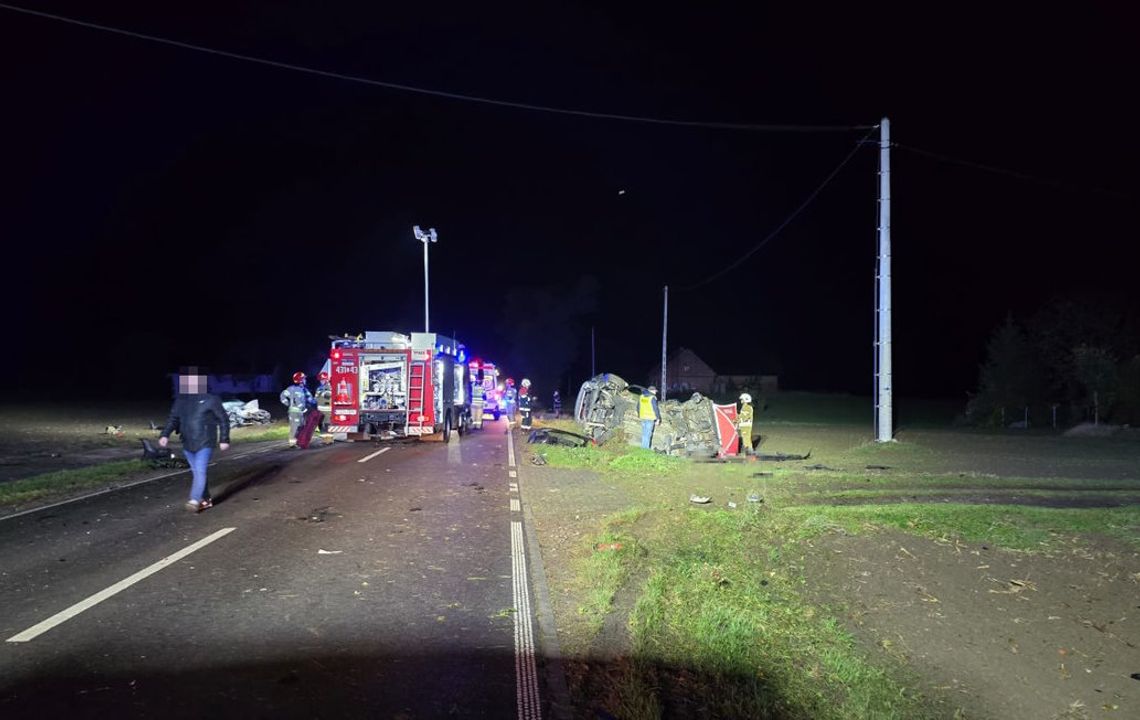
<point>191,384</point>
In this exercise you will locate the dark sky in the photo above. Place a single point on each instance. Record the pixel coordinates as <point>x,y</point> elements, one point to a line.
<point>161,206</point>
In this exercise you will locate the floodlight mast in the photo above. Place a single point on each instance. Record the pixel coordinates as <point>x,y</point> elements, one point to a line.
<point>884,399</point>
<point>425,238</point>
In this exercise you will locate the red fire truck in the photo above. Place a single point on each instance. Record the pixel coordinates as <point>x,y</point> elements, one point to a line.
<point>388,384</point>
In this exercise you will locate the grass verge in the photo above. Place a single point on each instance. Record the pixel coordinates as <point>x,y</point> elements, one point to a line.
<point>66,482</point>
<point>278,432</point>
<point>720,631</point>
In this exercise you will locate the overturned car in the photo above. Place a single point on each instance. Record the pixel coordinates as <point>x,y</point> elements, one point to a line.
<point>607,408</point>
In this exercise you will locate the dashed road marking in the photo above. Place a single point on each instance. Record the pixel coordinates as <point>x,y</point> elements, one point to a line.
<point>381,451</point>
<point>64,615</point>
<point>513,473</point>
<point>526,669</point>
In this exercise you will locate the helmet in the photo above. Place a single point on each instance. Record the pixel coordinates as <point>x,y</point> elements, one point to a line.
<point>526,382</point>
<point>298,377</point>
<point>510,382</point>
<point>745,398</point>
<point>322,376</point>
<point>652,389</point>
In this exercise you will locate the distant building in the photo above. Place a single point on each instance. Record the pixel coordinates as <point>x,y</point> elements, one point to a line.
<point>685,372</point>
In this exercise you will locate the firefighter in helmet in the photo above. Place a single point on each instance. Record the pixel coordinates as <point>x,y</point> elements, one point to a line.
<point>744,423</point>
<point>510,396</point>
<point>525,406</point>
<point>324,405</point>
<point>478,399</point>
<point>297,399</point>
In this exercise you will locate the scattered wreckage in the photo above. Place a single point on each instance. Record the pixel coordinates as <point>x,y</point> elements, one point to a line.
<point>246,413</point>
<point>607,407</point>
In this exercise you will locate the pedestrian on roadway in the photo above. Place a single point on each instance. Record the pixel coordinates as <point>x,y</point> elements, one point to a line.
<point>649,414</point>
<point>478,399</point>
<point>297,399</point>
<point>203,424</point>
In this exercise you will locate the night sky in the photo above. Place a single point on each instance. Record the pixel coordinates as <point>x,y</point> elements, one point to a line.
<point>160,206</point>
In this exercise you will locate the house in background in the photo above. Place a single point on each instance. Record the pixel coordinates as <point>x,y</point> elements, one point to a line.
<point>686,372</point>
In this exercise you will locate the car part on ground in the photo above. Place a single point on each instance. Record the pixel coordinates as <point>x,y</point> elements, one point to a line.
<point>607,406</point>
<point>554,436</point>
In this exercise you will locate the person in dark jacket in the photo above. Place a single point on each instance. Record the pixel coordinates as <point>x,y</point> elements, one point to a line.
<point>203,424</point>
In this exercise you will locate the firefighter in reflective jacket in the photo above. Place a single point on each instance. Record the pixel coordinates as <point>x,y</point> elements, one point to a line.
<point>525,396</point>
<point>297,399</point>
<point>324,406</point>
<point>744,423</point>
<point>649,414</point>
<point>478,399</point>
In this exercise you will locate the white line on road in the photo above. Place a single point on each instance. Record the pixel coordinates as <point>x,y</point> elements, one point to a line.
<point>61,617</point>
<point>381,451</point>
<point>515,507</point>
<point>513,473</point>
<point>510,451</point>
<point>526,671</point>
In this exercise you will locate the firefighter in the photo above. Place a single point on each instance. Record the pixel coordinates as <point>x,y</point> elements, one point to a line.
<point>744,423</point>
<point>297,399</point>
<point>649,414</point>
<point>478,399</point>
<point>510,398</point>
<point>556,406</point>
<point>525,397</point>
<point>324,406</point>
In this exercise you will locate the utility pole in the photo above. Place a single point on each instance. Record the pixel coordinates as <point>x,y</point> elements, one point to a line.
<point>593,370</point>
<point>664,334</point>
<point>425,238</point>
<point>884,425</point>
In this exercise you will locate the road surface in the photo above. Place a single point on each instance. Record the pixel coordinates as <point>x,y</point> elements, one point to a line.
<point>357,580</point>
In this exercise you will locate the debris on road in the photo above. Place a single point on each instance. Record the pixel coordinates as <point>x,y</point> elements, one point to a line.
<point>115,430</point>
<point>329,552</point>
<point>160,457</point>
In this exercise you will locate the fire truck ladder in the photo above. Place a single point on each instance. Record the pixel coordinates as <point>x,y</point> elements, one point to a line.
<point>416,383</point>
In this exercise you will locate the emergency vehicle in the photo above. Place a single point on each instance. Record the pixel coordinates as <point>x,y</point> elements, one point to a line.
<point>492,393</point>
<point>387,384</point>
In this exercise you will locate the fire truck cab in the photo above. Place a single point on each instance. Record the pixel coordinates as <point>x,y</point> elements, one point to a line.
<point>388,384</point>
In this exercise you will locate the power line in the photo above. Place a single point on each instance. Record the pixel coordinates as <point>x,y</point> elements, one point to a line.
<point>795,213</point>
<point>716,125</point>
<point>1009,173</point>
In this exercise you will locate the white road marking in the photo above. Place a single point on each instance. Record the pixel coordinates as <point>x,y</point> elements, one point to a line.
<point>513,473</point>
<point>526,672</point>
<point>63,616</point>
<point>381,451</point>
<point>514,487</point>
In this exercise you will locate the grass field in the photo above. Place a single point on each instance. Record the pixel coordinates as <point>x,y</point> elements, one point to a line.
<point>713,600</point>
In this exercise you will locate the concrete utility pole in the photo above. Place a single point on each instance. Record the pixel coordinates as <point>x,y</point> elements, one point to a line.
<point>664,334</point>
<point>425,238</point>
<point>884,418</point>
<point>593,370</point>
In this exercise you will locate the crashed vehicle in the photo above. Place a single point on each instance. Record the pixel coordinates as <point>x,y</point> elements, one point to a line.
<point>606,408</point>
<point>246,413</point>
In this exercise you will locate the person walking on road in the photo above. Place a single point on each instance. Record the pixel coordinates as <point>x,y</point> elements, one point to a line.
<point>203,424</point>
<point>297,399</point>
<point>324,406</point>
<point>478,400</point>
<point>744,424</point>
<point>649,414</point>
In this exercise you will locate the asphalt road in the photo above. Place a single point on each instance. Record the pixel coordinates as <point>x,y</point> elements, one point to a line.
<point>318,586</point>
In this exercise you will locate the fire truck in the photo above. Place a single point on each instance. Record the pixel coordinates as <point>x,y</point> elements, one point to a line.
<point>492,393</point>
<point>388,384</point>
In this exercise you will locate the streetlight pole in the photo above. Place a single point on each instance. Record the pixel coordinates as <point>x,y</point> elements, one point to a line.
<point>425,238</point>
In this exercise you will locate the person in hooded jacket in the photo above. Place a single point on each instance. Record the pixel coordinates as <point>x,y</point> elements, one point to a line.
<point>203,424</point>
